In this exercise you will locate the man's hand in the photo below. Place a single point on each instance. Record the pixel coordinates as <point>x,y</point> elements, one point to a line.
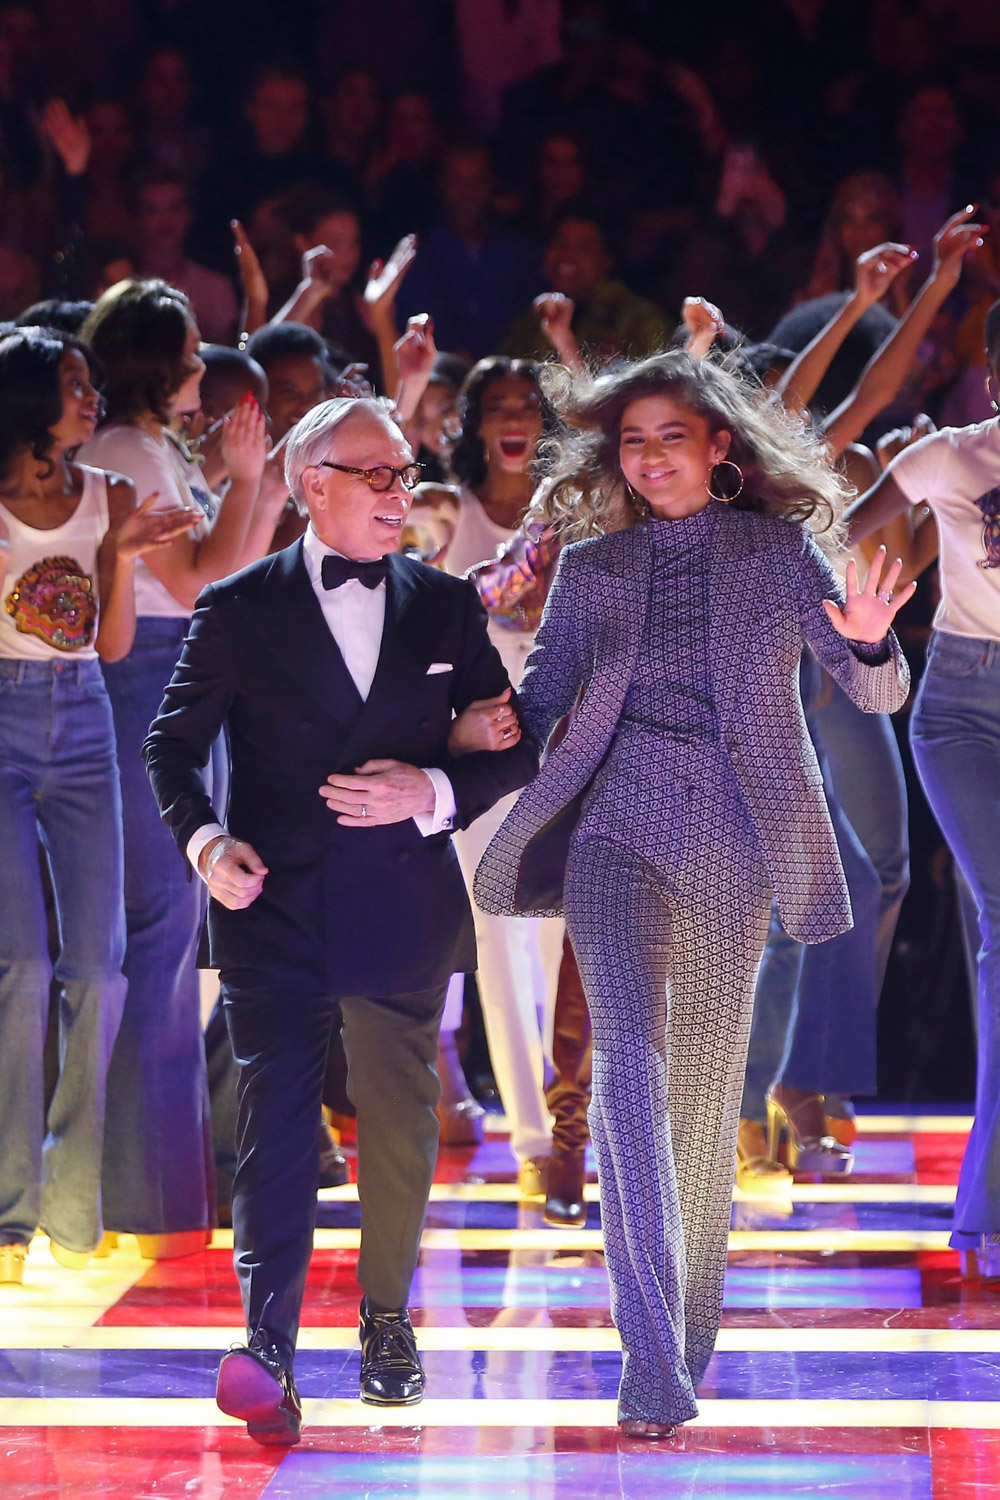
<point>379,792</point>
<point>233,872</point>
<point>487,724</point>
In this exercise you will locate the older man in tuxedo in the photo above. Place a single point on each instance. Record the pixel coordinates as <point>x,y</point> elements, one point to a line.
<point>355,684</point>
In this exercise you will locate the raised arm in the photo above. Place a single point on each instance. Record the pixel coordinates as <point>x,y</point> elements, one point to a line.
<point>885,372</point>
<point>850,631</point>
<point>870,512</point>
<point>381,291</point>
<point>555,316</point>
<point>704,322</point>
<point>874,273</point>
<point>189,564</point>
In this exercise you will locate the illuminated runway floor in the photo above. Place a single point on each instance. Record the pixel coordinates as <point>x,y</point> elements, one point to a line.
<point>853,1360</point>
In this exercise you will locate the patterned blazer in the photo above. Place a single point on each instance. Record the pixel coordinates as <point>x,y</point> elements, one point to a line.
<point>767,580</point>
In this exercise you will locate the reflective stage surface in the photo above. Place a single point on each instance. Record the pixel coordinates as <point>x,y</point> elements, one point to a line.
<point>853,1360</point>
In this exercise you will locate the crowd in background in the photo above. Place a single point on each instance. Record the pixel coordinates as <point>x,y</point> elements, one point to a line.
<point>396,198</point>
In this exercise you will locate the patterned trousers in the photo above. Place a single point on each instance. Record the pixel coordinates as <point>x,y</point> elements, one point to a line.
<point>667,905</point>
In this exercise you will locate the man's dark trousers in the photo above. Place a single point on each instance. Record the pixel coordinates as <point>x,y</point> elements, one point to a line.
<point>280,1033</point>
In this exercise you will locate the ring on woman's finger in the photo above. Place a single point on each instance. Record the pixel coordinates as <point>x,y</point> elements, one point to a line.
<point>881,267</point>
<point>885,597</point>
<point>364,810</point>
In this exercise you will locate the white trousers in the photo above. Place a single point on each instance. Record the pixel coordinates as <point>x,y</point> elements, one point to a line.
<point>519,961</point>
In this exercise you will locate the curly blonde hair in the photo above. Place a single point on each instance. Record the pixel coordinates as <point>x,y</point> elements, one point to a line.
<point>786,470</point>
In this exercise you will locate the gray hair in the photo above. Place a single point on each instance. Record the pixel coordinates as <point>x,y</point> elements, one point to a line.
<point>309,440</point>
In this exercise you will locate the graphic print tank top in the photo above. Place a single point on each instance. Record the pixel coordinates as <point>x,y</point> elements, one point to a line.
<point>49,593</point>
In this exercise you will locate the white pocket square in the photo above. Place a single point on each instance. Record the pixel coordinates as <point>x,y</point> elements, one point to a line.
<point>439,666</point>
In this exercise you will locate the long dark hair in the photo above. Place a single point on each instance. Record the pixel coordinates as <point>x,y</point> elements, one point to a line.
<point>31,402</point>
<point>468,459</point>
<point>138,330</point>
<point>786,470</point>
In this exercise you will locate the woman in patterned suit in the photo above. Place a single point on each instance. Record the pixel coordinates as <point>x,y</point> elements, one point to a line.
<point>685,791</point>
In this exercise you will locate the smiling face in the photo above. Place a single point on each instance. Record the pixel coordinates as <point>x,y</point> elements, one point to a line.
<point>297,383</point>
<point>347,514</point>
<point>80,402</point>
<point>510,424</point>
<point>666,453</point>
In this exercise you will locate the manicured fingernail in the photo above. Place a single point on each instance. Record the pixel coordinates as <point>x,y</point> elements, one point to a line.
<point>971,208</point>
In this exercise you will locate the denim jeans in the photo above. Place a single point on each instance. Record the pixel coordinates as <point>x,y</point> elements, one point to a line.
<point>814,1022</point>
<point>58,787</point>
<point>158,1176</point>
<point>955,733</point>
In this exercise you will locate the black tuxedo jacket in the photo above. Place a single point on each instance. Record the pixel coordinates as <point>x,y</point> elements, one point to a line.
<point>375,911</point>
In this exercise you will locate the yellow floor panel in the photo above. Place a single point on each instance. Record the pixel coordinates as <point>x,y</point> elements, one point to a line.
<point>851,1190</point>
<point>839,1240</point>
<point>533,1338</point>
<point>202,1412</point>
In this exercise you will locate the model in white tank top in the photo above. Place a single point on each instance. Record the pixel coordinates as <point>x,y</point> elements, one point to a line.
<point>49,604</point>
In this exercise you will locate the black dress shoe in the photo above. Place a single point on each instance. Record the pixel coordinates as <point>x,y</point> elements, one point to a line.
<point>391,1372</point>
<point>257,1386</point>
<point>333,1168</point>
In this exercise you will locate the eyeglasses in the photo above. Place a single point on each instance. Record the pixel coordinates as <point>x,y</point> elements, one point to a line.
<point>382,477</point>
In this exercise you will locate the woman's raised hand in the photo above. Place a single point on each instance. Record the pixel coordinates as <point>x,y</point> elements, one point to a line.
<point>69,135</point>
<point>877,269</point>
<point>385,278</point>
<point>416,350</point>
<point>244,440</point>
<point>951,244</point>
<point>555,314</point>
<point>704,322</point>
<point>145,529</point>
<point>251,273</point>
<point>869,612</point>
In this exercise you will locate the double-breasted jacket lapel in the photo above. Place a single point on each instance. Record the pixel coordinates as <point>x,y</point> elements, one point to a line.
<point>292,627</point>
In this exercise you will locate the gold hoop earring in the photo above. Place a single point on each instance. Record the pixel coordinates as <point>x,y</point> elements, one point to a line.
<point>641,505</point>
<point>724,463</point>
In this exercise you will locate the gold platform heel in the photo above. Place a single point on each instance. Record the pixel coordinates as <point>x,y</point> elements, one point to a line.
<point>817,1153</point>
<point>758,1173</point>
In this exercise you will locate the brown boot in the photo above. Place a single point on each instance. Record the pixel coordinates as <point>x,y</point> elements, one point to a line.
<point>568,1097</point>
<point>460,1117</point>
<point>564,1199</point>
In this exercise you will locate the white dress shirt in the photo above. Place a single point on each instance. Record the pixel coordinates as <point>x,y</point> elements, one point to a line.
<point>356,619</point>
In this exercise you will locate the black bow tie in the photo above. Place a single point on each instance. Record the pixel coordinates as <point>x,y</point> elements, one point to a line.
<point>337,570</point>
